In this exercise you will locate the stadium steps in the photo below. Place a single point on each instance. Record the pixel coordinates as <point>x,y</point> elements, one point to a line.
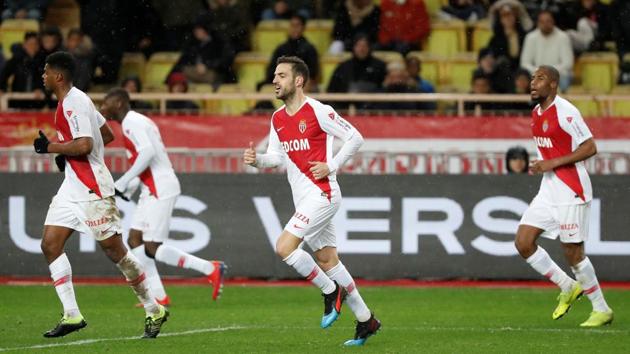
<point>12,31</point>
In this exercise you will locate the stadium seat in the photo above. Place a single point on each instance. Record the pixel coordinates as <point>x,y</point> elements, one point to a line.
<point>250,68</point>
<point>319,33</point>
<point>457,71</point>
<point>621,108</point>
<point>157,69</point>
<point>446,38</point>
<point>328,65</point>
<point>587,106</point>
<point>597,72</point>
<point>434,6</point>
<point>132,64</point>
<point>481,35</point>
<point>232,107</point>
<point>269,34</point>
<point>12,31</point>
<point>207,106</point>
<point>430,67</point>
<point>388,56</point>
<point>270,89</point>
<point>65,14</point>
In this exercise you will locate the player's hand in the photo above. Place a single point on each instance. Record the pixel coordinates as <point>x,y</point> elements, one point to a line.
<point>60,161</point>
<point>541,166</point>
<point>41,144</point>
<point>249,156</point>
<point>319,169</point>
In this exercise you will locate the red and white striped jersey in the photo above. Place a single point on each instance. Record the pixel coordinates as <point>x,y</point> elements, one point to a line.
<point>86,177</point>
<point>140,132</point>
<point>558,131</point>
<point>307,136</point>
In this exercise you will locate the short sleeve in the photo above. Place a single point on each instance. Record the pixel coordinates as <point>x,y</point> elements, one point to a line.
<point>138,135</point>
<point>100,120</point>
<point>332,123</point>
<point>77,115</point>
<point>573,123</point>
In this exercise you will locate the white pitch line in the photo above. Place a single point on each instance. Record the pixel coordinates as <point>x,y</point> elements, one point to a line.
<point>99,340</point>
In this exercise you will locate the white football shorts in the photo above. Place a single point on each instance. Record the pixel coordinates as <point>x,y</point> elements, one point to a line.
<point>153,217</point>
<point>98,218</point>
<point>570,222</point>
<point>312,222</point>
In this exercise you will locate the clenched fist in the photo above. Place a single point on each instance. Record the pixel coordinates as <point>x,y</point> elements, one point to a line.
<point>249,155</point>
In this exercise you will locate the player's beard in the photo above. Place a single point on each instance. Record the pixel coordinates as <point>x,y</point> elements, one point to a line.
<point>285,94</point>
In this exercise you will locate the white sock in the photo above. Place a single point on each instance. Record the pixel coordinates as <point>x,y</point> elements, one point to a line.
<point>134,273</point>
<point>61,274</point>
<point>153,277</point>
<point>178,258</point>
<point>340,274</point>
<point>543,264</point>
<point>306,266</point>
<point>585,274</point>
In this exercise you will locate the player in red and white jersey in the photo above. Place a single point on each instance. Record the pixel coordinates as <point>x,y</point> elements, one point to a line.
<point>301,136</point>
<point>160,187</point>
<point>85,200</point>
<point>562,206</point>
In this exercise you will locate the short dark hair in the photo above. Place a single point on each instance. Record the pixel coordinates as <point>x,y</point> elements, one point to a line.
<point>30,34</point>
<point>64,62</point>
<point>298,66</point>
<point>75,31</point>
<point>546,11</point>
<point>480,75</point>
<point>119,93</point>
<point>554,74</point>
<point>301,18</point>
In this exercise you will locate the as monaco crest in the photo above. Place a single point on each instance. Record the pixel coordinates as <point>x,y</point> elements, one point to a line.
<point>302,126</point>
<point>545,126</point>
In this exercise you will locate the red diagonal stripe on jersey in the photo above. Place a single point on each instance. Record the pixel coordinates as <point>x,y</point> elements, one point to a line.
<point>146,176</point>
<point>80,164</point>
<point>62,280</point>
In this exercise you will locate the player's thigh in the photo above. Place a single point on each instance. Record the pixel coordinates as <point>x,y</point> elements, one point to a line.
<point>100,218</point>
<point>157,214</point>
<point>539,216</point>
<point>574,222</point>
<point>287,243</point>
<point>319,232</point>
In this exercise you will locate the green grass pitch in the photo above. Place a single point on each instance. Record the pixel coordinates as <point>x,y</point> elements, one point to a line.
<point>286,320</point>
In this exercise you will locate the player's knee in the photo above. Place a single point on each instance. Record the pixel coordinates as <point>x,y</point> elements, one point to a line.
<point>524,246</point>
<point>48,248</point>
<point>150,250</point>
<point>133,242</point>
<point>283,250</point>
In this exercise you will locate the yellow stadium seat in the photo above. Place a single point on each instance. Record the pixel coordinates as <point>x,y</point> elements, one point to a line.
<point>481,35</point>
<point>328,65</point>
<point>157,69</point>
<point>434,6</point>
<point>458,71</point>
<point>269,34</point>
<point>588,106</point>
<point>430,67</point>
<point>63,14</point>
<point>251,68</point>
<point>233,107</point>
<point>270,89</point>
<point>12,31</point>
<point>621,108</point>
<point>388,56</point>
<point>597,72</point>
<point>207,105</point>
<point>446,38</point>
<point>132,64</point>
<point>319,33</point>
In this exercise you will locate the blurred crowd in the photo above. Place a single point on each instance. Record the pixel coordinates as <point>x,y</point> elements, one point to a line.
<point>209,34</point>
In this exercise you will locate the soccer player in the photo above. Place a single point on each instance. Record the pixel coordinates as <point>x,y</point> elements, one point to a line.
<point>562,206</point>
<point>301,136</point>
<point>85,199</point>
<point>160,187</point>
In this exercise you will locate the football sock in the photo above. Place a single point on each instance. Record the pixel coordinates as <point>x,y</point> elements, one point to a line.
<point>306,267</point>
<point>151,272</point>
<point>178,258</point>
<point>543,264</point>
<point>585,274</point>
<point>61,274</point>
<point>340,274</point>
<point>134,273</point>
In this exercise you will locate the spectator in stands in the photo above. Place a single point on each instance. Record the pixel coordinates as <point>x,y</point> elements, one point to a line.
<point>620,28</point>
<point>25,68</point>
<point>465,10</point>
<point>51,40</point>
<point>522,86</point>
<point>414,68</point>
<point>398,80</point>
<point>548,45</point>
<point>480,85</point>
<point>283,10</point>
<point>296,45</point>
<point>132,84</point>
<point>226,17</point>
<point>361,73</point>
<point>498,71</point>
<point>207,57</point>
<point>25,9</point>
<point>591,26</point>
<point>403,25</point>
<point>509,31</point>
<point>177,83</point>
<point>535,7</point>
<point>354,17</point>
<point>517,160</point>
<point>179,18</point>
<point>81,48</point>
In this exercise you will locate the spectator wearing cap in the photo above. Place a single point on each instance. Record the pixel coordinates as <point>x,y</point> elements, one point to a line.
<point>517,160</point>
<point>177,83</point>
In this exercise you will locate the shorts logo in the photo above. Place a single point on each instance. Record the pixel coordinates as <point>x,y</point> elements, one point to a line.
<point>95,223</point>
<point>569,227</point>
<point>301,217</point>
<point>545,126</point>
<point>302,126</point>
<point>298,227</point>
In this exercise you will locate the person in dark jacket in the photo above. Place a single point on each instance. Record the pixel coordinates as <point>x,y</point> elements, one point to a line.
<point>354,17</point>
<point>26,68</point>
<point>508,35</point>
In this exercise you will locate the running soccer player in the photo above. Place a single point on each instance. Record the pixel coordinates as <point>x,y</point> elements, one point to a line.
<point>301,136</point>
<point>160,187</point>
<point>562,205</point>
<point>85,199</point>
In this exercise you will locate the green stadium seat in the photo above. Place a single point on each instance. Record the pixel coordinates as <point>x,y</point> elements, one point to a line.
<point>458,71</point>
<point>446,38</point>
<point>250,68</point>
<point>132,64</point>
<point>481,35</point>
<point>621,108</point>
<point>430,67</point>
<point>588,107</point>
<point>13,30</point>
<point>388,56</point>
<point>232,107</point>
<point>157,69</point>
<point>597,72</point>
<point>328,65</point>
<point>319,33</point>
<point>269,34</point>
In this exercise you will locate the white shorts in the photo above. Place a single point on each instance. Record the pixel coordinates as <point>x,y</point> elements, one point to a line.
<point>312,222</point>
<point>153,217</point>
<point>570,222</point>
<point>99,218</point>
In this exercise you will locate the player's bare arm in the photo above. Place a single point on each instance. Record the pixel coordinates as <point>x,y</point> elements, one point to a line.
<point>107,134</point>
<point>583,152</point>
<point>319,169</point>
<point>77,147</point>
<point>249,155</point>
